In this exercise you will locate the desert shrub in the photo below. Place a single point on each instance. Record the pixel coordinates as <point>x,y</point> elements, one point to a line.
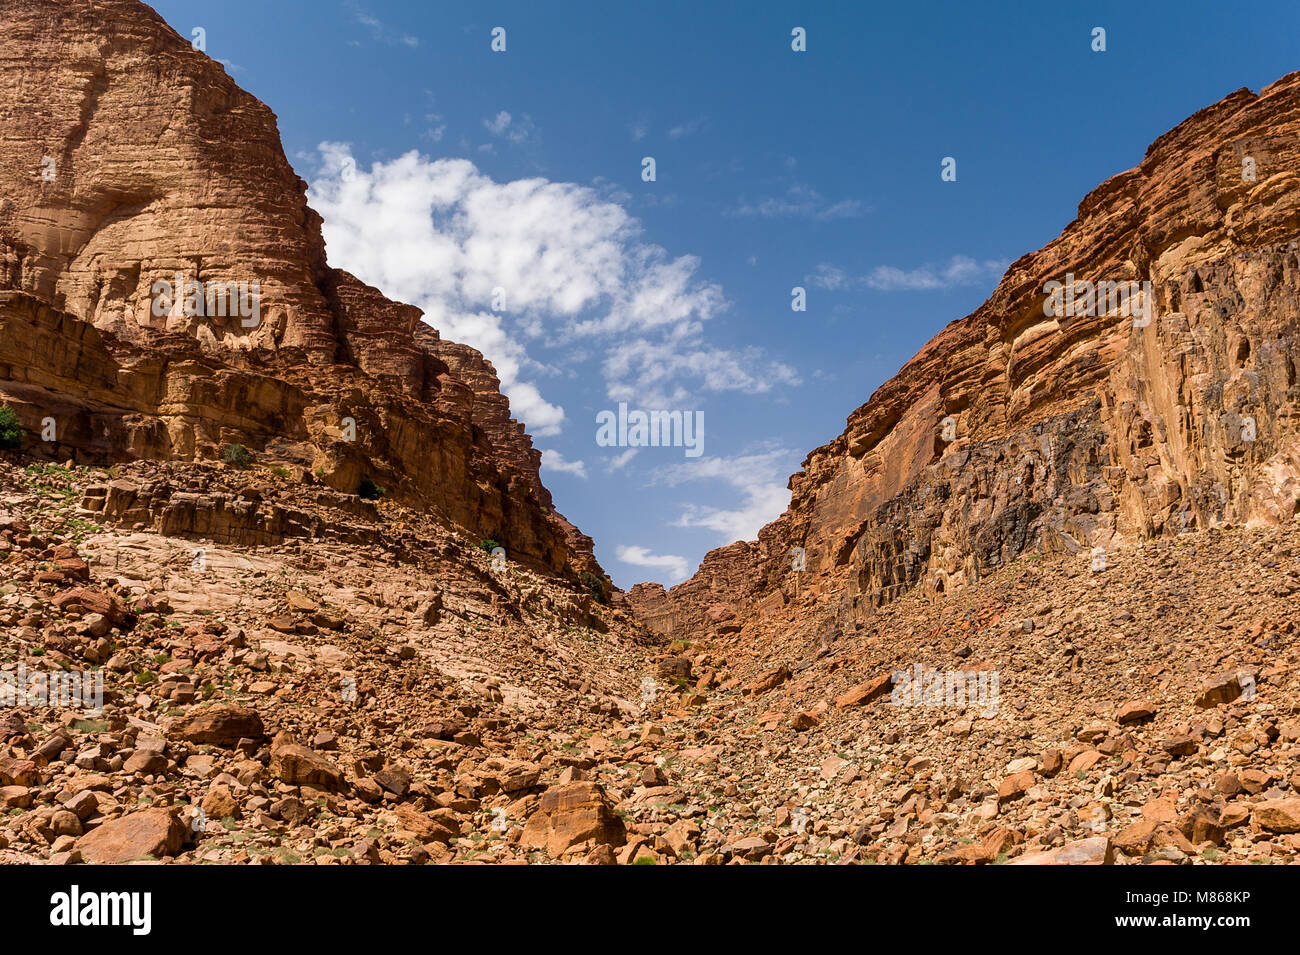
<point>599,587</point>
<point>11,432</point>
<point>237,456</point>
<point>371,491</point>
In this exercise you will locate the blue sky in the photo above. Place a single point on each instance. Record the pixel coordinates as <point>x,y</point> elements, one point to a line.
<point>458,178</point>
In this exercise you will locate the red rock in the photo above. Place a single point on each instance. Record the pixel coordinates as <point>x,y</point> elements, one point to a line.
<point>17,772</point>
<point>146,762</point>
<point>987,850</point>
<point>1051,762</point>
<point>327,342</point>
<point>1084,761</point>
<point>94,601</point>
<point>1278,815</point>
<point>768,680</point>
<point>870,511</point>
<point>219,725</point>
<point>1223,688</point>
<point>1013,787</point>
<point>1134,712</point>
<point>422,827</point>
<point>15,797</point>
<point>864,693</point>
<point>803,720</point>
<point>572,814</point>
<point>149,832</point>
<point>1201,825</point>
<point>1160,810</point>
<point>1136,840</point>
<point>298,765</point>
<point>1234,815</point>
<point>751,848</point>
<point>1094,851</point>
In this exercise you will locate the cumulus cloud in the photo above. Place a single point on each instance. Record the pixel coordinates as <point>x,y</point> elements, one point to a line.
<point>511,266</point>
<point>674,566</point>
<point>760,480</point>
<point>960,270</point>
<point>555,461</point>
<point>652,372</point>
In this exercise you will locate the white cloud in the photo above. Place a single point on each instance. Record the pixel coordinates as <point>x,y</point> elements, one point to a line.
<point>379,30</point>
<point>437,128</point>
<point>516,131</point>
<point>961,270</point>
<point>570,264</point>
<point>760,479</point>
<point>620,460</point>
<point>675,567</point>
<point>831,277</point>
<point>688,129</point>
<point>800,201</point>
<point>650,372</point>
<point>555,461</point>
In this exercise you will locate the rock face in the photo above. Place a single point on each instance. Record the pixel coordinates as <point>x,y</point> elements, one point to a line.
<point>1012,431</point>
<point>130,159</point>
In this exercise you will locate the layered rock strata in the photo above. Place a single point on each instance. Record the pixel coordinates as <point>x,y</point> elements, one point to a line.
<point>1014,430</point>
<point>164,293</point>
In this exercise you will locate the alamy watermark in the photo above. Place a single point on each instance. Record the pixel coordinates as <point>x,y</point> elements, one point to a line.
<point>651,429</point>
<point>77,908</point>
<point>72,689</point>
<point>922,687</point>
<point>211,299</point>
<point>1076,299</point>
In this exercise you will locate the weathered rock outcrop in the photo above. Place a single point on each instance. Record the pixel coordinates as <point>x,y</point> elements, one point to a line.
<point>130,159</point>
<point>1014,431</point>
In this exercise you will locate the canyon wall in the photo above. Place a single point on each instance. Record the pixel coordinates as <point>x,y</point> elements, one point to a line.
<point>1014,431</point>
<point>129,159</point>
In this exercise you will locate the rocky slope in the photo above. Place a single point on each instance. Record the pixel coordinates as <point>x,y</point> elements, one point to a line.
<point>381,693</point>
<point>363,686</point>
<point>1144,713</point>
<point>128,159</point>
<point>1014,432</point>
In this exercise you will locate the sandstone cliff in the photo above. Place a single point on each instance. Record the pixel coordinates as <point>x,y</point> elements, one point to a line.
<point>129,159</point>
<point>1012,431</point>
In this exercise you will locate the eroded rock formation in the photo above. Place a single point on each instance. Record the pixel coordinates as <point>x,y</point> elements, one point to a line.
<point>1014,431</point>
<point>135,177</point>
